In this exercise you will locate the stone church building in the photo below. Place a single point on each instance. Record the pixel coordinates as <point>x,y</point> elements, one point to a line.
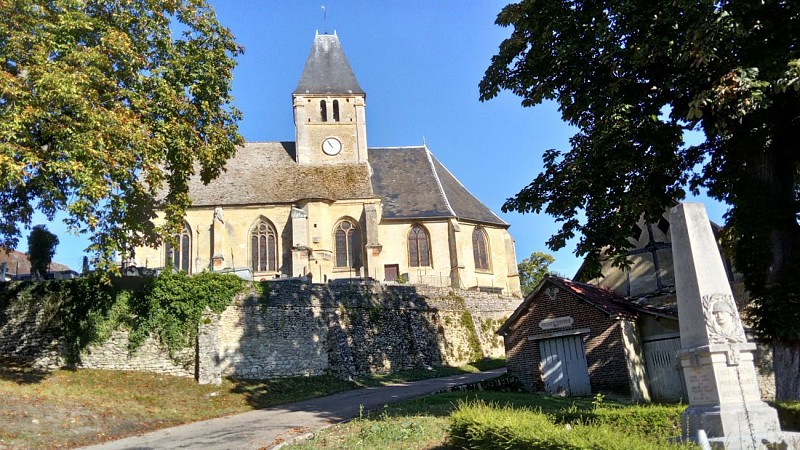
<point>328,207</point>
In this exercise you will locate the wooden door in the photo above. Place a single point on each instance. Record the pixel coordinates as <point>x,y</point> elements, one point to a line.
<point>391,272</point>
<point>664,373</point>
<point>564,367</point>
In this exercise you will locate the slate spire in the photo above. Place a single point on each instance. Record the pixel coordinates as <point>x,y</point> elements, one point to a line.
<point>327,70</point>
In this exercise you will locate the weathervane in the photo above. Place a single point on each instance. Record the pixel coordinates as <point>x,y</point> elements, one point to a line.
<point>325,18</point>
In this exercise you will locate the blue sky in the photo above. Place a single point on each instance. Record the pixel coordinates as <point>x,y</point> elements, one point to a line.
<point>420,63</point>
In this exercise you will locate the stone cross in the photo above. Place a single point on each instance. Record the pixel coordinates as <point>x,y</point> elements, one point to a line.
<point>724,400</point>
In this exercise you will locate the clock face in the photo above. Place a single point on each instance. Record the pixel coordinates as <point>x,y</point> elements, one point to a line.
<point>331,146</point>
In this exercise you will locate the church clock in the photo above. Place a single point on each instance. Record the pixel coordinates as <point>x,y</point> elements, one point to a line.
<point>331,146</point>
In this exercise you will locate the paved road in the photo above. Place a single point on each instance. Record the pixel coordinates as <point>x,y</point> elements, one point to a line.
<point>266,428</point>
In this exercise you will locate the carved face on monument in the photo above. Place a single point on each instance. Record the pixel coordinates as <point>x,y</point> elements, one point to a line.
<point>722,320</point>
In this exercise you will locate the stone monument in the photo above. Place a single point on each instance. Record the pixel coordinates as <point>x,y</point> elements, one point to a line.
<point>724,400</point>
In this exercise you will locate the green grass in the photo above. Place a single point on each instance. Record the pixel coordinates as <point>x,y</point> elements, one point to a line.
<point>68,408</point>
<point>423,423</point>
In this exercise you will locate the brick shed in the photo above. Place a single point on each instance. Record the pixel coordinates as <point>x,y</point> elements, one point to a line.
<point>571,338</point>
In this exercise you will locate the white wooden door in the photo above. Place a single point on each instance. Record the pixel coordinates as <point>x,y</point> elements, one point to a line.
<point>664,372</point>
<point>564,367</point>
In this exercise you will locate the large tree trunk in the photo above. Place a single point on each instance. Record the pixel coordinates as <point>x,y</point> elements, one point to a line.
<point>786,361</point>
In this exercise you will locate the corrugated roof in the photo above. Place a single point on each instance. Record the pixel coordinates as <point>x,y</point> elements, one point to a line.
<point>266,172</point>
<point>327,70</point>
<point>413,184</point>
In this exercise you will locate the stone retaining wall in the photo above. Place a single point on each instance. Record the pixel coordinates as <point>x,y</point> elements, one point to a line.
<point>295,328</point>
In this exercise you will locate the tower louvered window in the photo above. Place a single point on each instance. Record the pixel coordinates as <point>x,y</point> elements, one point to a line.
<point>323,110</point>
<point>263,247</point>
<point>418,247</point>
<point>348,244</point>
<point>336,110</point>
<point>480,249</point>
<point>180,257</point>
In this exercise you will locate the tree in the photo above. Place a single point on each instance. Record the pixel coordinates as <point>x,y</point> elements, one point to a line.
<point>41,248</point>
<point>106,110</point>
<point>633,77</point>
<point>533,269</point>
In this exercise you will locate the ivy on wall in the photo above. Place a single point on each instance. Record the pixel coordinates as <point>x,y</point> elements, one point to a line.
<point>87,310</point>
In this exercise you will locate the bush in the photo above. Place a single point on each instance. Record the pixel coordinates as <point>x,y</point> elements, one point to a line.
<point>477,425</point>
<point>789,414</point>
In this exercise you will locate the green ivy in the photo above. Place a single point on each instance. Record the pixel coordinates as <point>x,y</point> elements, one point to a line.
<point>87,310</point>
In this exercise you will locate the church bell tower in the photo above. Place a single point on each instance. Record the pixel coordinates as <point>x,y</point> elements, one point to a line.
<point>329,108</point>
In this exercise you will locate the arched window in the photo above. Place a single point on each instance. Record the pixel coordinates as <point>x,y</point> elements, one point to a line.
<point>418,249</point>
<point>263,247</point>
<point>480,249</point>
<point>323,110</point>
<point>348,244</point>
<point>180,257</point>
<point>336,110</point>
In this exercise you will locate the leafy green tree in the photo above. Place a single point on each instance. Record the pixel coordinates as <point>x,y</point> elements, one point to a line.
<point>533,269</point>
<point>633,77</point>
<point>106,109</point>
<point>41,249</point>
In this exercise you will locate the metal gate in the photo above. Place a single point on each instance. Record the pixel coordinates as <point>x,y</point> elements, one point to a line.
<point>664,372</point>
<point>564,367</point>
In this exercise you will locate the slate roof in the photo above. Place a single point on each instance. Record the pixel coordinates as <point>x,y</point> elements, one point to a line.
<point>413,184</point>
<point>17,263</point>
<point>266,172</point>
<point>327,70</point>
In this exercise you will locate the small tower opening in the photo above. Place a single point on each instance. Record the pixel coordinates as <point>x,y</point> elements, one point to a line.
<point>336,110</point>
<point>323,110</point>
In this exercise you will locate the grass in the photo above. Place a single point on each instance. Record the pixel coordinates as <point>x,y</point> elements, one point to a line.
<point>68,408</point>
<point>423,423</point>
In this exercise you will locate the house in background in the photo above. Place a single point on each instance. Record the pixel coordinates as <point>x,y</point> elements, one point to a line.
<point>18,267</point>
<point>329,207</point>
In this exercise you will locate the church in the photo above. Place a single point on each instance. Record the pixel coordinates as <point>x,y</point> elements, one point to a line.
<point>329,207</point>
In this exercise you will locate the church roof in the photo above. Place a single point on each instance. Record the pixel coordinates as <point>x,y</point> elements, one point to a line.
<point>327,70</point>
<point>413,184</point>
<point>266,172</point>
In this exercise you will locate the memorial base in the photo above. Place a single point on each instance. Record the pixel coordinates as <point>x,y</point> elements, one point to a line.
<point>732,428</point>
<point>724,399</point>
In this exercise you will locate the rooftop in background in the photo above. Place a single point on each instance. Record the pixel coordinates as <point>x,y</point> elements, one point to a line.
<point>18,263</point>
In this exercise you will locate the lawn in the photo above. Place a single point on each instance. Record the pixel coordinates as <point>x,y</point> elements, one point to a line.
<point>69,408</point>
<point>423,423</point>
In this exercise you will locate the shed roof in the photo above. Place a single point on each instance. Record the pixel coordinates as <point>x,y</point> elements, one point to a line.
<point>603,299</point>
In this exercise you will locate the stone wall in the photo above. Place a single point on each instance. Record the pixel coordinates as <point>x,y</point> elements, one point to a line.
<point>295,329</point>
<point>349,329</point>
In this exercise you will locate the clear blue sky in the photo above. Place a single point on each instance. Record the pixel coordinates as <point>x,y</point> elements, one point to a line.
<point>420,62</point>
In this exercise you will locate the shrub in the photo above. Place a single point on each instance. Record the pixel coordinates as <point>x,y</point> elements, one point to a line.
<point>477,425</point>
<point>789,414</point>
